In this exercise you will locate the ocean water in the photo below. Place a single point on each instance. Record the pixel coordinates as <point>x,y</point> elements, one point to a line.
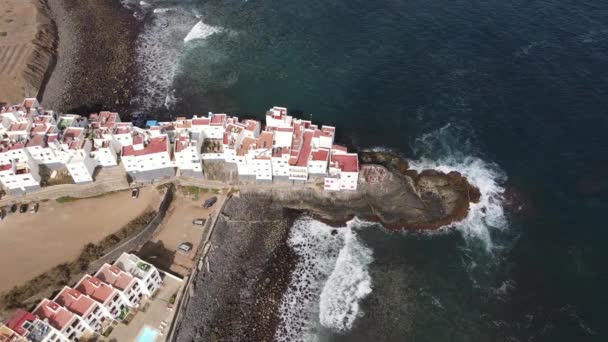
<point>514,94</point>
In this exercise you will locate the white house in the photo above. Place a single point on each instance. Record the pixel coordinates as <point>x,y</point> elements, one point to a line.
<point>148,159</point>
<point>90,311</point>
<point>67,323</point>
<point>33,329</point>
<point>343,171</point>
<point>131,288</point>
<point>188,156</point>
<point>211,127</point>
<point>113,300</point>
<point>277,117</point>
<point>20,175</point>
<point>145,272</point>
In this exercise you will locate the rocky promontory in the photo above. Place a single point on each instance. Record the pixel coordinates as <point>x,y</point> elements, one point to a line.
<point>388,192</point>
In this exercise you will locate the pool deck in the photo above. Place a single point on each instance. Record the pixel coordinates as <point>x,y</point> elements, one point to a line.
<point>152,313</point>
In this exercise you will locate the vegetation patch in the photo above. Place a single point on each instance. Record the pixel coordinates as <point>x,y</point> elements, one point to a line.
<point>66,273</point>
<point>3,34</point>
<point>193,191</point>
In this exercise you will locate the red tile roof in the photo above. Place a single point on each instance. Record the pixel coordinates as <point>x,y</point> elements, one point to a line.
<point>115,277</point>
<point>265,140</point>
<point>245,145</point>
<point>346,162</point>
<point>15,323</point>
<point>57,316</point>
<point>75,301</point>
<point>155,145</point>
<point>5,167</point>
<point>320,154</point>
<point>16,126</point>
<point>36,140</point>
<point>180,144</point>
<point>339,148</point>
<point>305,150</point>
<point>95,288</point>
<point>218,119</point>
<point>107,119</point>
<point>201,121</point>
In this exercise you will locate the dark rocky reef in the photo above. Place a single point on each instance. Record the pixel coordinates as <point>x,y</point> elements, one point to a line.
<point>389,192</point>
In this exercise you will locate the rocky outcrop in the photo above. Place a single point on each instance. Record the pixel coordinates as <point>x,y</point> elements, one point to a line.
<point>402,199</point>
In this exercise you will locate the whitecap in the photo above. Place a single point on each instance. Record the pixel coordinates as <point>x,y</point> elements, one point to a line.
<point>347,285</point>
<point>201,31</point>
<point>451,149</point>
<point>329,281</point>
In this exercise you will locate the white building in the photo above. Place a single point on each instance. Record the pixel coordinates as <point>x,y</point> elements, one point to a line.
<point>67,323</point>
<point>130,287</point>
<point>20,175</point>
<point>33,329</point>
<point>277,117</point>
<point>90,311</point>
<point>148,159</point>
<point>113,300</point>
<point>343,170</point>
<point>188,156</point>
<point>145,272</point>
<point>211,127</point>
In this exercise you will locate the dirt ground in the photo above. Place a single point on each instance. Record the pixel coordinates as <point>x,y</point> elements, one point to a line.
<point>26,41</point>
<point>34,243</point>
<point>177,228</point>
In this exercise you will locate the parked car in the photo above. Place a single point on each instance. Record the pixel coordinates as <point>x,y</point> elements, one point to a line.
<point>185,247</point>
<point>23,208</point>
<point>198,221</point>
<point>135,193</point>
<point>34,208</point>
<point>210,202</point>
<point>13,208</point>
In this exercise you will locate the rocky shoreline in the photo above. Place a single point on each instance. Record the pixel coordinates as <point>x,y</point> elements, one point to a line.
<point>237,295</point>
<point>95,66</point>
<point>248,269</point>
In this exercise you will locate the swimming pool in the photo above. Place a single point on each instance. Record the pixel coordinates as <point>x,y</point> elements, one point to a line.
<point>147,334</point>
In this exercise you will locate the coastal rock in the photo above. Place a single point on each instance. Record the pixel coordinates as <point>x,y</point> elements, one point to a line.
<point>389,192</point>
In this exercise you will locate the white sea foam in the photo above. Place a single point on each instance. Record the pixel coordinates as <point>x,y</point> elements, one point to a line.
<point>451,153</point>
<point>162,10</point>
<point>328,282</point>
<point>201,31</point>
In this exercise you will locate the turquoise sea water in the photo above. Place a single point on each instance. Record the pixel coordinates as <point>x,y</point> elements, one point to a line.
<point>512,93</point>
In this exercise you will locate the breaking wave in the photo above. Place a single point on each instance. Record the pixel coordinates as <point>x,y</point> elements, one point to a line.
<point>328,282</point>
<point>451,148</point>
<point>201,31</point>
<point>166,32</point>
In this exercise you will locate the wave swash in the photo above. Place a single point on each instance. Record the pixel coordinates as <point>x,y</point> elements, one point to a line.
<point>328,283</point>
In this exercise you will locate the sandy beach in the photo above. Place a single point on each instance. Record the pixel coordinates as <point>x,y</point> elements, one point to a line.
<point>34,243</point>
<point>27,39</point>
<point>95,64</point>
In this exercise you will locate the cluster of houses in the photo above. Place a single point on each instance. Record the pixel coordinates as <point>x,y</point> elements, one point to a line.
<point>285,149</point>
<point>89,308</point>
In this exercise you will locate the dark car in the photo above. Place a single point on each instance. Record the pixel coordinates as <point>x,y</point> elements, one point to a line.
<point>13,208</point>
<point>23,208</point>
<point>210,202</point>
<point>135,193</point>
<point>198,221</point>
